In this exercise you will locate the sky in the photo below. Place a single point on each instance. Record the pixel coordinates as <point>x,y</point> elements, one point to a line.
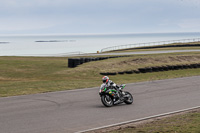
<point>98,16</point>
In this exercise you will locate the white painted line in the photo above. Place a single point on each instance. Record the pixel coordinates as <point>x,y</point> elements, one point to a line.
<point>137,120</point>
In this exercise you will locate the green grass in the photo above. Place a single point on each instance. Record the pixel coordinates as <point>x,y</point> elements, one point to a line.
<point>185,123</point>
<point>134,62</point>
<point>30,75</point>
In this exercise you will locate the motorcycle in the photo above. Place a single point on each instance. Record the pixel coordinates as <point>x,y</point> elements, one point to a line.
<point>110,96</point>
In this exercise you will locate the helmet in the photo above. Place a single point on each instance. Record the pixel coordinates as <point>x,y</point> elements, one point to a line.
<point>105,79</point>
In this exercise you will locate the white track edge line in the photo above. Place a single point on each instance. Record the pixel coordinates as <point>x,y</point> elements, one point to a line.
<point>137,120</point>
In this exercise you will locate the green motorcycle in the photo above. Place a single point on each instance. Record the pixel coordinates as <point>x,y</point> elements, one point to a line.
<point>110,96</point>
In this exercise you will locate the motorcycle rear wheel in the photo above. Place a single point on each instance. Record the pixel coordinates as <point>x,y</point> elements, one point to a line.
<point>130,98</point>
<point>107,100</point>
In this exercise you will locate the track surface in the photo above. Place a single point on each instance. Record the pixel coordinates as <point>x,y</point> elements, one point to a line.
<point>72,111</point>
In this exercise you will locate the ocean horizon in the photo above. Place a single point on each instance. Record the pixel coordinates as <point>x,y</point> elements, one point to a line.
<point>62,44</point>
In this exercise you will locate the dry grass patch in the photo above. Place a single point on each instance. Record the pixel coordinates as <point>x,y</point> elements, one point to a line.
<point>135,62</point>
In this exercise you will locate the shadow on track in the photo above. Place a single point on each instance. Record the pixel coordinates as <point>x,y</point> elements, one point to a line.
<point>115,106</point>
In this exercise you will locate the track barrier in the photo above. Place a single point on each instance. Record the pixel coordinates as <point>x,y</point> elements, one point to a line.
<point>155,69</point>
<point>74,62</point>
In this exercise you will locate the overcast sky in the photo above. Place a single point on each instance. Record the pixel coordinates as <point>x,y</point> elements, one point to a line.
<point>98,16</point>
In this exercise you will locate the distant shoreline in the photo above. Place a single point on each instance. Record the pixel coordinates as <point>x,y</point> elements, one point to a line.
<point>85,43</point>
<point>57,41</point>
<point>4,42</point>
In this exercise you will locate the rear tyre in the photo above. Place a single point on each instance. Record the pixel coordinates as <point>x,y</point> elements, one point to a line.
<point>129,98</point>
<point>107,100</point>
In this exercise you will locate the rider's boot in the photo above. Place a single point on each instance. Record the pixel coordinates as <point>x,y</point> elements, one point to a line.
<point>116,99</point>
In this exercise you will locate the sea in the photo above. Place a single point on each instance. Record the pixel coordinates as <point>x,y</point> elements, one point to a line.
<point>60,45</point>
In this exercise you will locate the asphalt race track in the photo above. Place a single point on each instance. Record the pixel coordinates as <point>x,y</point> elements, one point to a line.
<point>78,110</point>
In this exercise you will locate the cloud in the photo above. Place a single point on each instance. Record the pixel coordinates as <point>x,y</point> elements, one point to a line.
<point>190,24</point>
<point>193,3</point>
<point>97,15</point>
<point>20,24</point>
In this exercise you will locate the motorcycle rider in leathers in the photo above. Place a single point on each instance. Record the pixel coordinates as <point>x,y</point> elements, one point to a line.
<point>112,85</point>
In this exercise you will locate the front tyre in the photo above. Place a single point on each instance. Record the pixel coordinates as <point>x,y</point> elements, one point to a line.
<point>129,98</point>
<point>107,100</point>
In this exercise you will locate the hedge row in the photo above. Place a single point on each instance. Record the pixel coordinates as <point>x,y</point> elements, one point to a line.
<point>74,62</point>
<point>155,69</point>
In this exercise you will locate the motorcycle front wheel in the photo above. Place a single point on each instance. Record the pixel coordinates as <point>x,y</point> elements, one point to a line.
<point>107,100</point>
<point>129,97</point>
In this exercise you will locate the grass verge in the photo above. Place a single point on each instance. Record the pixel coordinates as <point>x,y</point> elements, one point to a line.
<point>30,75</point>
<point>182,123</point>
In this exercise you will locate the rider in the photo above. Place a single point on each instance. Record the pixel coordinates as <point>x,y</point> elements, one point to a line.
<point>112,85</point>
